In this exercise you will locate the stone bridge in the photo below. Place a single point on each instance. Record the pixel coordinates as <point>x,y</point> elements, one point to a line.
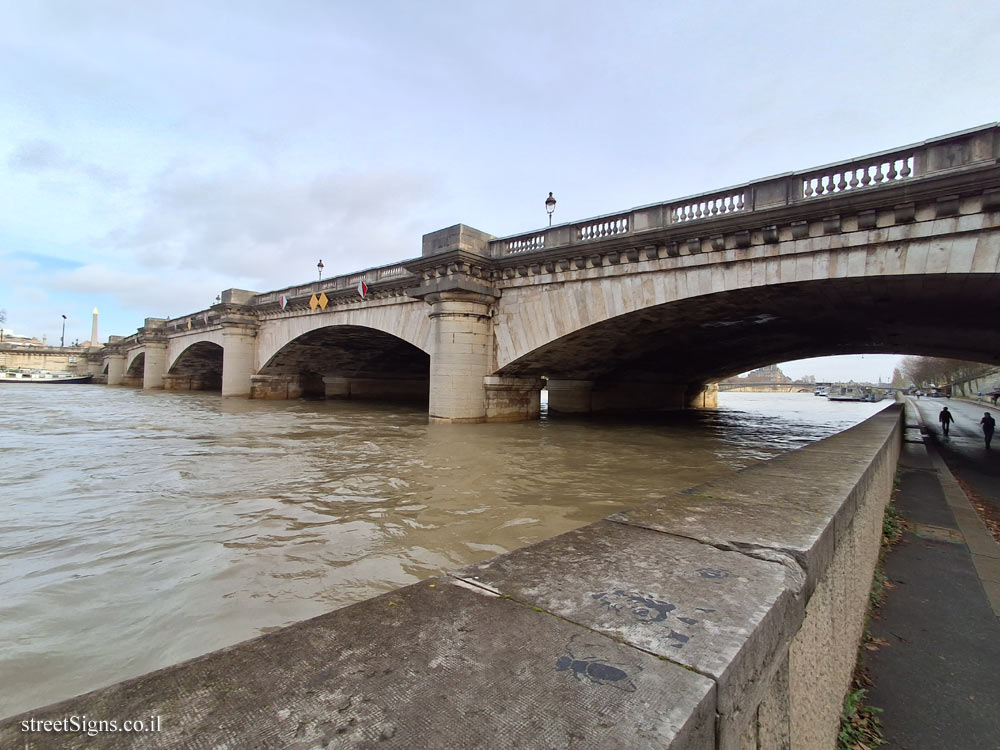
<point>787,386</point>
<point>896,252</point>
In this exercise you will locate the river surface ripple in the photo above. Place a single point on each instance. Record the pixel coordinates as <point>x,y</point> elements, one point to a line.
<point>143,528</point>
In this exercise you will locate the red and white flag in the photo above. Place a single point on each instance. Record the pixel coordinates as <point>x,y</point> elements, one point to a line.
<point>362,289</point>
<point>283,302</point>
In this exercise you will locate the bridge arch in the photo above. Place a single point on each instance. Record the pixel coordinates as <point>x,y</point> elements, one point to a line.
<point>713,336</point>
<point>343,360</point>
<point>402,320</point>
<point>696,318</point>
<point>135,368</point>
<point>912,272</point>
<point>196,368</point>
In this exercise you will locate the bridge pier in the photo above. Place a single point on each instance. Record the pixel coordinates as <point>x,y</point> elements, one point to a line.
<point>239,339</point>
<point>155,365</point>
<point>584,397</point>
<point>116,368</point>
<point>370,386</point>
<point>705,397</point>
<point>189,383</point>
<point>512,399</point>
<point>237,362</point>
<point>177,382</point>
<point>461,352</point>
<point>336,386</point>
<point>570,396</point>
<point>636,395</point>
<point>275,387</point>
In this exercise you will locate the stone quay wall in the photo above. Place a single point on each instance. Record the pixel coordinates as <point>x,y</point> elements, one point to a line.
<point>985,383</point>
<point>31,358</point>
<point>724,616</point>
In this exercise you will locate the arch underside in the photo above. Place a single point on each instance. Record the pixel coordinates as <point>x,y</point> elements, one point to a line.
<point>355,354</point>
<point>197,368</point>
<point>137,366</point>
<point>705,339</point>
<point>135,370</point>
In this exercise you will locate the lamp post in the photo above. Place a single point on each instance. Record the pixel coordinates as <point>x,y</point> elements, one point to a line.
<point>62,339</point>
<point>319,267</point>
<point>550,206</point>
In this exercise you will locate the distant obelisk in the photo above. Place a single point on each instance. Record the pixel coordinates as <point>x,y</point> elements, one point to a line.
<point>94,343</point>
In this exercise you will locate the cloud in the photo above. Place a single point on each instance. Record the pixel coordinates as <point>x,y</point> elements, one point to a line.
<point>147,292</point>
<point>273,226</point>
<point>43,157</point>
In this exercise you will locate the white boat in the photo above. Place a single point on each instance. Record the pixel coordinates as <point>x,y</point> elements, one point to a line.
<point>848,392</point>
<point>42,376</point>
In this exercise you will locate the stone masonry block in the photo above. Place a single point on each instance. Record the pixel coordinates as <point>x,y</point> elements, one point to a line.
<point>433,665</point>
<point>723,614</point>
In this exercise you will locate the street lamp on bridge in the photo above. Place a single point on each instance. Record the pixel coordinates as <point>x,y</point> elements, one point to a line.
<point>550,206</point>
<point>62,339</point>
<point>319,267</point>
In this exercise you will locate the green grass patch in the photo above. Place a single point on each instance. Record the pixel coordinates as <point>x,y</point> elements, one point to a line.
<point>860,726</point>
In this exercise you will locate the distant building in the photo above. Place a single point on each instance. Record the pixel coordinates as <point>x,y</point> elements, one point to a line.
<point>769,374</point>
<point>10,338</point>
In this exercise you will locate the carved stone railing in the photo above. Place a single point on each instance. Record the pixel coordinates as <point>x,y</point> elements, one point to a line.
<point>524,244</point>
<point>371,276</point>
<point>869,172</point>
<point>608,226</point>
<point>200,319</point>
<point>969,149</point>
<point>716,204</point>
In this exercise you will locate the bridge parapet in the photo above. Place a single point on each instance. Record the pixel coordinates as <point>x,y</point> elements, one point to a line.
<point>966,150</point>
<point>200,319</point>
<point>377,278</point>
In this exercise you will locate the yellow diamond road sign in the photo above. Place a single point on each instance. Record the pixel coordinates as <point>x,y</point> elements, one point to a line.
<point>323,300</point>
<point>313,302</point>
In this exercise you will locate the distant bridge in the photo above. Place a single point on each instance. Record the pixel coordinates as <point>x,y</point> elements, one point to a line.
<point>775,387</point>
<point>896,252</point>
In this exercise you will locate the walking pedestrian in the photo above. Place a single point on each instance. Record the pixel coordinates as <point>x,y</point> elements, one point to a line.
<point>989,424</point>
<point>945,418</point>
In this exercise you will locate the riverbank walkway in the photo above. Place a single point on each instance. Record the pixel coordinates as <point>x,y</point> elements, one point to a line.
<point>938,679</point>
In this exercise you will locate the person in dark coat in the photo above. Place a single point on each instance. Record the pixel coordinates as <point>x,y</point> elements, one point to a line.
<point>945,418</point>
<point>989,424</point>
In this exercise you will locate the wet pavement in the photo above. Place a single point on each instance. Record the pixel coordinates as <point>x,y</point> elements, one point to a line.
<point>964,449</point>
<point>937,678</point>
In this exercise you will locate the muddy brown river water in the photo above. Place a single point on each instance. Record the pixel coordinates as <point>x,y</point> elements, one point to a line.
<point>138,529</point>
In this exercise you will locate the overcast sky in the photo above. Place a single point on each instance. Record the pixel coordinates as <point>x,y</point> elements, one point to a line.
<point>154,153</point>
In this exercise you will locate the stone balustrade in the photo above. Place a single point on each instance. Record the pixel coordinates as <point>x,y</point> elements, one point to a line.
<point>716,204</point>
<point>868,173</point>
<point>346,283</point>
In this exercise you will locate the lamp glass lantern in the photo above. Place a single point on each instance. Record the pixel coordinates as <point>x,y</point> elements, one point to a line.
<point>319,267</point>
<point>550,206</point>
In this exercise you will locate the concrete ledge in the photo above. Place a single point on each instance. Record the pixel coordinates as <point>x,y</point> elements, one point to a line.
<point>727,616</point>
<point>722,614</point>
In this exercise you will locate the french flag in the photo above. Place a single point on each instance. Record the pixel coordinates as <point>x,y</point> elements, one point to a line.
<point>362,289</point>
